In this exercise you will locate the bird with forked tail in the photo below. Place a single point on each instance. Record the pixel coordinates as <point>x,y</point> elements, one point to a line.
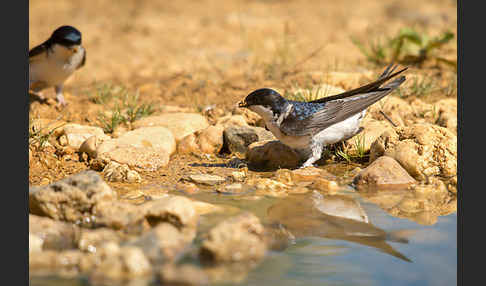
<point>308,127</point>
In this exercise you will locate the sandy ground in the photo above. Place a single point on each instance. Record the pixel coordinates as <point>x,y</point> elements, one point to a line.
<point>200,53</point>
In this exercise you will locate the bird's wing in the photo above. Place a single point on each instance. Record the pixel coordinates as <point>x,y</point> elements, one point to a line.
<point>335,111</point>
<point>83,61</point>
<point>374,86</point>
<point>35,52</point>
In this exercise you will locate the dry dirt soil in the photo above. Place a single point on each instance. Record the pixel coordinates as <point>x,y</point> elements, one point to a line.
<point>197,54</point>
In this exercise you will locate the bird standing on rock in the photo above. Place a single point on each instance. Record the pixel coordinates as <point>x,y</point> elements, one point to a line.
<point>308,127</point>
<point>52,62</point>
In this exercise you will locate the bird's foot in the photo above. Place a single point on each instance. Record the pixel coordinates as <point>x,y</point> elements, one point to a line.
<point>61,102</point>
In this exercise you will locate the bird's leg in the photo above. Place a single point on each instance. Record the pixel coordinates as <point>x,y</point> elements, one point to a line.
<point>316,152</point>
<point>59,96</point>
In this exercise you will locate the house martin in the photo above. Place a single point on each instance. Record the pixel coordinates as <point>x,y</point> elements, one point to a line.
<point>308,127</point>
<point>53,61</point>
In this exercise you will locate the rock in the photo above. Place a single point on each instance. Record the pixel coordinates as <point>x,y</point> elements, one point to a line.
<point>89,147</point>
<point>90,240</point>
<point>237,139</point>
<point>238,176</point>
<point>176,210</point>
<point>207,141</point>
<point>114,172</point>
<point>384,172</point>
<point>423,112</point>
<point>76,134</point>
<point>70,199</point>
<point>308,174</point>
<point>309,177</point>
<point>372,129</point>
<point>185,274</point>
<point>180,124</point>
<point>145,148</point>
<point>164,242</point>
<point>232,120</point>
<point>55,235</point>
<point>269,187</point>
<point>394,107</point>
<point>447,113</point>
<point>124,263</point>
<point>35,243</point>
<point>272,155</point>
<point>238,238</point>
<point>206,179</point>
<point>251,118</point>
<point>64,263</point>
<point>119,216</point>
<point>422,202</point>
<point>422,150</point>
<point>325,185</point>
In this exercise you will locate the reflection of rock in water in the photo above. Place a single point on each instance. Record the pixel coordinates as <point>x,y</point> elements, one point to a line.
<point>335,217</point>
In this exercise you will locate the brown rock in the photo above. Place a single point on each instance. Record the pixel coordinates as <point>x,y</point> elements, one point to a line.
<point>90,240</point>
<point>119,215</point>
<point>114,172</point>
<point>372,129</point>
<point>164,242</point>
<point>447,113</point>
<point>206,179</point>
<point>70,199</point>
<point>272,155</point>
<point>55,235</point>
<point>238,238</point>
<point>422,149</point>
<point>250,117</point>
<point>384,172</point>
<point>237,138</point>
<point>394,107</point>
<point>127,262</point>
<point>232,120</point>
<point>145,148</point>
<point>76,134</point>
<point>208,141</point>
<point>180,124</point>
<point>176,210</point>
<point>62,263</point>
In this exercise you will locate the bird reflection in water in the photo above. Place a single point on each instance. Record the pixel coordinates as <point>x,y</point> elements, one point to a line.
<point>337,217</point>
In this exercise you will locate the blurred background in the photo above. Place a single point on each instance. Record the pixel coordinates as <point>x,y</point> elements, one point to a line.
<point>232,47</point>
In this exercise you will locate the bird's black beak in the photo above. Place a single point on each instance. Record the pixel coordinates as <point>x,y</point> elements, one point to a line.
<point>242,104</point>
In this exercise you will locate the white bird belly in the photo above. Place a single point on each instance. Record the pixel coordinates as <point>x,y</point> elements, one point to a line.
<point>340,131</point>
<point>54,69</point>
<point>49,71</point>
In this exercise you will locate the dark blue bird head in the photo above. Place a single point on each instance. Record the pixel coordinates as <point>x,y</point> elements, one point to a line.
<point>66,36</point>
<point>266,97</point>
